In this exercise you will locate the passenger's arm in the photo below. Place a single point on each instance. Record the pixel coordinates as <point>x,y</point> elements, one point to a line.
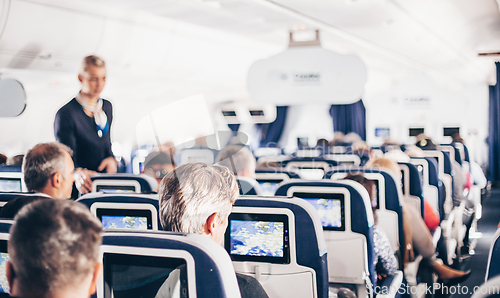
<point>384,252</point>
<point>82,180</point>
<point>250,287</point>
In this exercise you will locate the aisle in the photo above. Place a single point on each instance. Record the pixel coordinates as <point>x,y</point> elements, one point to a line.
<point>487,225</point>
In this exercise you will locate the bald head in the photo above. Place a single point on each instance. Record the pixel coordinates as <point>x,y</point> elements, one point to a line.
<point>239,159</point>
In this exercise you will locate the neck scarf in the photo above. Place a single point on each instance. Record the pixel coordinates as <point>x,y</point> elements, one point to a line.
<point>100,118</point>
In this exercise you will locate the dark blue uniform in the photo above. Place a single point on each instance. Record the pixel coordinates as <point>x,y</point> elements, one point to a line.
<point>78,131</point>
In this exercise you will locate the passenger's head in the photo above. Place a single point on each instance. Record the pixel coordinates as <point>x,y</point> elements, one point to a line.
<point>167,147</point>
<point>352,138</point>
<point>370,187</point>
<point>92,75</point>
<point>239,159</point>
<point>414,151</point>
<point>425,143</point>
<point>54,250</point>
<point>3,158</point>
<point>158,164</point>
<point>265,163</point>
<point>385,163</point>
<point>197,198</point>
<point>322,143</point>
<point>15,160</point>
<point>361,147</point>
<point>48,168</point>
<point>338,139</point>
<point>456,137</point>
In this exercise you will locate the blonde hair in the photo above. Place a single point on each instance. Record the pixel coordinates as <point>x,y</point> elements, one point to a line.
<point>91,60</point>
<point>385,163</point>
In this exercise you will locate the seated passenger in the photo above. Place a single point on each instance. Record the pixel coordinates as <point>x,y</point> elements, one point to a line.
<point>352,138</point>
<point>158,164</point>
<point>361,149</point>
<point>338,139</point>
<point>239,159</point>
<point>48,171</point>
<point>54,251</point>
<point>420,237</point>
<point>432,219</point>
<point>323,145</point>
<point>10,209</point>
<point>197,198</point>
<point>384,260</point>
<point>15,160</point>
<point>459,178</point>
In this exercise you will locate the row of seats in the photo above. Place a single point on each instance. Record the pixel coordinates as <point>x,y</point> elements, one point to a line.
<point>301,264</point>
<point>351,233</point>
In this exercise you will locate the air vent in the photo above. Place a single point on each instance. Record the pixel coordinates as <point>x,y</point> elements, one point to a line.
<point>229,113</point>
<point>254,113</point>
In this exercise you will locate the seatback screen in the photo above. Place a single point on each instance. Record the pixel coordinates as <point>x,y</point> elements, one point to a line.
<point>383,132</point>
<point>258,238</point>
<point>269,186</point>
<point>115,188</point>
<point>10,184</point>
<point>143,276</point>
<point>125,219</point>
<point>330,208</point>
<point>4,257</point>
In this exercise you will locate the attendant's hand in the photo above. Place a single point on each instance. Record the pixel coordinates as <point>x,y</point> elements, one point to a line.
<point>82,180</point>
<point>110,164</point>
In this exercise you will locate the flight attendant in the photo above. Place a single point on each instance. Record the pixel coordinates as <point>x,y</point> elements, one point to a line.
<point>84,124</point>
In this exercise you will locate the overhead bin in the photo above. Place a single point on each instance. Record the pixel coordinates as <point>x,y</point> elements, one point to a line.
<point>307,73</point>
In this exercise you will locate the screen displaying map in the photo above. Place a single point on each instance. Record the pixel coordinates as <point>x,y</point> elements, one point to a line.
<point>257,238</point>
<point>4,285</point>
<point>124,222</point>
<point>268,188</point>
<point>10,184</point>
<point>330,211</point>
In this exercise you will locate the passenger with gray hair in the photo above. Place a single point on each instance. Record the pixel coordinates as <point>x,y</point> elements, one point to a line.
<point>239,159</point>
<point>198,198</point>
<point>48,169</point>
<point>54,250</point>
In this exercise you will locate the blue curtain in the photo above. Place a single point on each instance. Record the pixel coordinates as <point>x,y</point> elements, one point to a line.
<point>350,118</point>
<point>494,130</point>
<point>271,132</point>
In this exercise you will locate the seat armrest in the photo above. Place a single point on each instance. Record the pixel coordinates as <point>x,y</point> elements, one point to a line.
<point>390,286</point>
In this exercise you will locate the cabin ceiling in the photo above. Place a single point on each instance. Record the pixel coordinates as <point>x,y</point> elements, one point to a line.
<point>440,37</point>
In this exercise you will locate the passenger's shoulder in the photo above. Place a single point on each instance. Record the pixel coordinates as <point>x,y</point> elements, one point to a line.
<point>250,287</point>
